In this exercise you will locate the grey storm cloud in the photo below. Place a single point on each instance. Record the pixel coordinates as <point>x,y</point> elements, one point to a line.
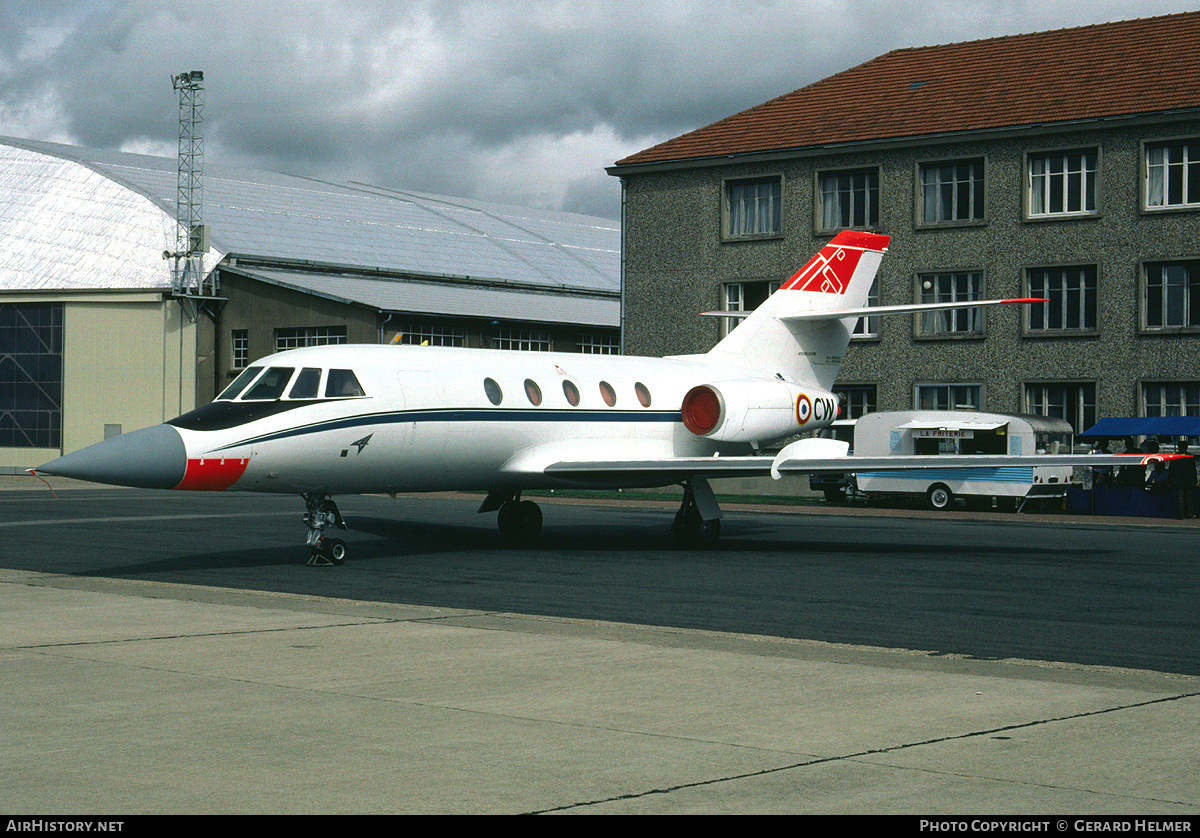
<point>516,102</point>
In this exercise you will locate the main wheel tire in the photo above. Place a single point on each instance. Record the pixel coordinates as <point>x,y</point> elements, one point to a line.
<point>939,497</point>
<point>334,549</point>
<point>692,531</point>
<point>529,520</point>
<point>520,520</point>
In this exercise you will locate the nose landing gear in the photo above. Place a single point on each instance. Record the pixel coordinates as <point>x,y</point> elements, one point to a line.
<point>322,513</point>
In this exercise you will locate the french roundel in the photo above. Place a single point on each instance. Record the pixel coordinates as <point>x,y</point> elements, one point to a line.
<point>803,409</point>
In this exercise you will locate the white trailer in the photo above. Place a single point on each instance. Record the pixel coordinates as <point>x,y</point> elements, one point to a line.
<point>949,432</point>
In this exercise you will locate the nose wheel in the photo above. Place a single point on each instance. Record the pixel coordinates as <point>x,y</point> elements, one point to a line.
<point>323,513</point>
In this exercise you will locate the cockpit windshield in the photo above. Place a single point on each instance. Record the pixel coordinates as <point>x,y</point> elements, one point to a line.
<point>255,385</point>
<point>308,382</point>
<point>271,385</point>
<point>239,384</point>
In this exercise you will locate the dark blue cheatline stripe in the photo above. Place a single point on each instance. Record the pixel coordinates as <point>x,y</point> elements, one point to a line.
<point>465,415</point>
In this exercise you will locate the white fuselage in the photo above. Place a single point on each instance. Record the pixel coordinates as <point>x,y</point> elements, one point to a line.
<point>428,420</point>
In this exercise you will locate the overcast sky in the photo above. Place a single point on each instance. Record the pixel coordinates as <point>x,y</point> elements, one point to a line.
<point>518,102</point>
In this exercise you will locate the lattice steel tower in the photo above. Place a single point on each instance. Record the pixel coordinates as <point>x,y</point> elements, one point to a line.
<point>191,237</point>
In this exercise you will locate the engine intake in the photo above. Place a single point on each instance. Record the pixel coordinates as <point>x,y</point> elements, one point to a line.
<point>756,411</point>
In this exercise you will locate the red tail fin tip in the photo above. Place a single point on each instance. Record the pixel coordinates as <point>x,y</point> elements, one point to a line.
<point>829,272</point>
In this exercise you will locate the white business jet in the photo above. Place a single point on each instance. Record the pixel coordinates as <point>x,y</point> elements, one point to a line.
<point>353,419</point>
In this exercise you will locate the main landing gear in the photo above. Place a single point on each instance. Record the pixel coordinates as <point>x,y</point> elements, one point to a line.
<point>698,521</point>
<point>322,513</point>
<point>519,520</point>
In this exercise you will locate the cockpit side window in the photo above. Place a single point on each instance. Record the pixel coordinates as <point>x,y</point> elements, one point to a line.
<point>239,384</point>
<point>307,385</point>
<point>271,385</point>
<point>343,384</point>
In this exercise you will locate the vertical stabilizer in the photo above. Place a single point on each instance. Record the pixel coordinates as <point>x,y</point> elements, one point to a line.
<point>839,277</point>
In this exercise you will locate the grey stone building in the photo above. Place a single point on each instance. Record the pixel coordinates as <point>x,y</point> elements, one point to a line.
<point>1061,165</point>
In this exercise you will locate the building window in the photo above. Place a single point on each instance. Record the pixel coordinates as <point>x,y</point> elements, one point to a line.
<point>744,296</point>
<point>868,327</point>
<point>752,208</point>
<point>433,334</point>
<point>1076,403</point>
<point>1175,398</point>
<point>1072,296</point>
<point>952,192</point>
<point>949,396</point>
<point>856,400</point>
<point>537,340</point>
<point>1172,295</point>
<point>31,375</point>
<point>849,199</point>
<point>593,344</point>
<point>1173,175</point>
<point>951,288</point>
<point>308,336</point>
<point>1062,184</point>
<point>241,348</point>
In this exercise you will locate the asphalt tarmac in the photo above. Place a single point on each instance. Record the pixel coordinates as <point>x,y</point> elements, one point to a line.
<point>171,654</point>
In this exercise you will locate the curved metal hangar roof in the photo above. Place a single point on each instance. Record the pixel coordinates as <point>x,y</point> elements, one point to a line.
<point>79,219</point>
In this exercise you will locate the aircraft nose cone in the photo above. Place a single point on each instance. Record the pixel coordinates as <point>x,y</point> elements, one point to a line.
<point>152,458</point>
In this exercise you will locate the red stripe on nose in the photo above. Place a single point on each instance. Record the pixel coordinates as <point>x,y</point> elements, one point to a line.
<point>212,474</point>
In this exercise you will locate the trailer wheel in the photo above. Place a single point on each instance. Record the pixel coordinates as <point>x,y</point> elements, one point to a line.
<point>939,497</point>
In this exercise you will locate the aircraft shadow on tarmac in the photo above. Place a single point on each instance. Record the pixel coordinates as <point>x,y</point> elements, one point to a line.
<point>400,538</point>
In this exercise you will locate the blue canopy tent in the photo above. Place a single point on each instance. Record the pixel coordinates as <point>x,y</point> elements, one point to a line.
<point>1161,426</point>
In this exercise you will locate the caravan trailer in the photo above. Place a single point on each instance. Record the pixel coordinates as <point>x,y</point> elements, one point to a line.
<point>934,432</point>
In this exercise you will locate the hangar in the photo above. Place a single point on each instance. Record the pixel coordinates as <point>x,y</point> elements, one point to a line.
<point>96,338</point>
<point>1060,165</point>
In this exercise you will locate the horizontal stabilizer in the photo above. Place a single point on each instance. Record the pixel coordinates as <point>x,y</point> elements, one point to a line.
<point>915,308</point>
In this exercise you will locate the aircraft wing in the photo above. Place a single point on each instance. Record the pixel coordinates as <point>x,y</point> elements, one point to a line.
<point>677,469</point>
<point>916,462</point>
<point>659,472</point>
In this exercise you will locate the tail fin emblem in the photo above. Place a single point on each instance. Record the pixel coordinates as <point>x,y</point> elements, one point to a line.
<point>828,272</point>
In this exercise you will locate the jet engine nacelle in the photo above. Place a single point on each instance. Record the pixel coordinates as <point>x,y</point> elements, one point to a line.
<point>756,411</point>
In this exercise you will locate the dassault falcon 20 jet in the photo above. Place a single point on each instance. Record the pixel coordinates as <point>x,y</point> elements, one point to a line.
<point>352,419</point>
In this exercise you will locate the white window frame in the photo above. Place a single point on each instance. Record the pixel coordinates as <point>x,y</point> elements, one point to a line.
<point>945,182</point>
<point>1162,175</point>
<point>590,343</point>
<point>858,399</point>
<point>1073,401</point>
<point>955,392</point>
<point>240,343</point>
<point>1171,303</point>
<point>296,337</point>
<point>1068,179</point>
<point>525,340</point>
<point>1073,291</point>
<point>752,208</point>
<point>433,334</point>
<point>844,202</point>
<point>1170,398</point>
<point>950,287</point>
<point>867,326</point>
<point>733,298</point>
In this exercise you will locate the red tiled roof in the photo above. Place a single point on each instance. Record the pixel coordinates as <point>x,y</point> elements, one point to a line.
<point>1113,69</point>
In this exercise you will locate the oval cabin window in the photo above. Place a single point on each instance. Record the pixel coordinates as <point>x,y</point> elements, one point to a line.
<point>608,393</point>
<point>494,393</point>
<point>643,394</point>
<point>571,392</point>
<point>533,391</point>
